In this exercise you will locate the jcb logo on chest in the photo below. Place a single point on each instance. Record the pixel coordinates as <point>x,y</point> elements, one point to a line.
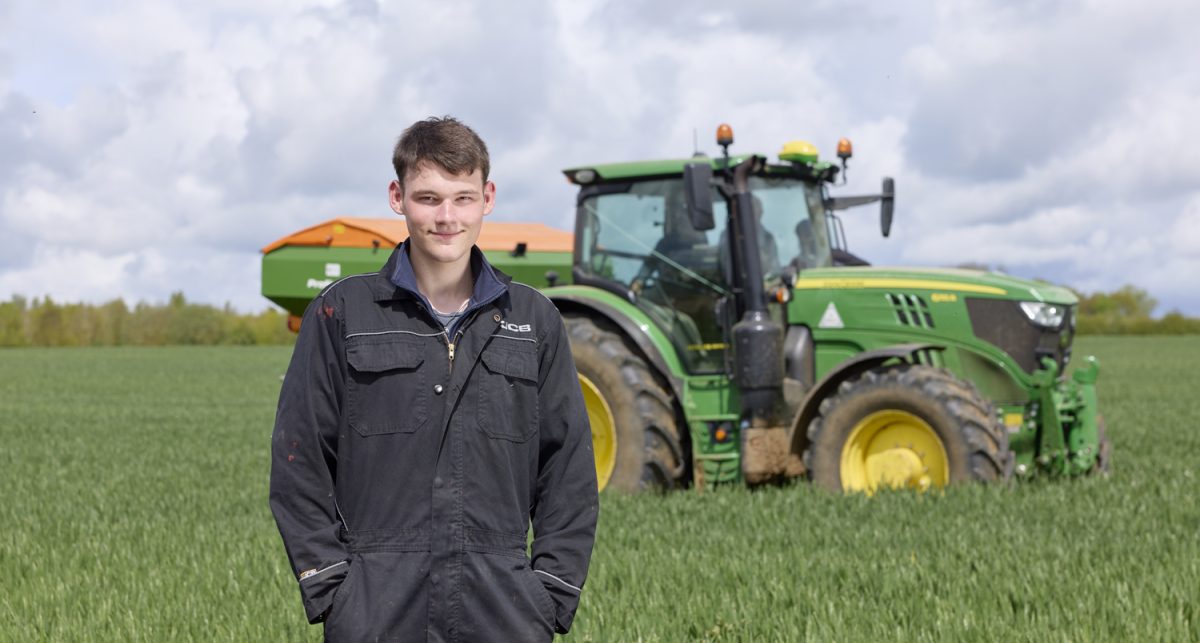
<point>516,328</point>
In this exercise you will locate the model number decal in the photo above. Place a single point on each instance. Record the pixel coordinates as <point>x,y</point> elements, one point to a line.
<point>943,297</point>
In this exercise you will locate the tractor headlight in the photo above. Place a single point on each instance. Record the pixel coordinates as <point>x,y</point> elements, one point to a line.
<point>1043,314</point>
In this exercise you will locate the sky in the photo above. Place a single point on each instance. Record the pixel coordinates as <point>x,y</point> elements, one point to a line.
<point>147,148</point>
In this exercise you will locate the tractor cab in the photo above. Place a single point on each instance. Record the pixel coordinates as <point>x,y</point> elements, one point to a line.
<point>636,237</point>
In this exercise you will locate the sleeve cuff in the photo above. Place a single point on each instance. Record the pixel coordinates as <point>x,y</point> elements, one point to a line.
<point>565,596</point>
<point>317,587</point>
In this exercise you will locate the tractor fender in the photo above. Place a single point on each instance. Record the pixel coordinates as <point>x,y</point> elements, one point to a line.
<point>567,303</point>
<point>848,369</point>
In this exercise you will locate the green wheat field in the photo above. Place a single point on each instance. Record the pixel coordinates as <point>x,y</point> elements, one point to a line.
<point>135,509</point>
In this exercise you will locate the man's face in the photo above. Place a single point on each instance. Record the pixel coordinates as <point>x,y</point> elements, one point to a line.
<point>443,211</point>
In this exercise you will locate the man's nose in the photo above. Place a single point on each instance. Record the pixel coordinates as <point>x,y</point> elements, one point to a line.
<point>444,213</point>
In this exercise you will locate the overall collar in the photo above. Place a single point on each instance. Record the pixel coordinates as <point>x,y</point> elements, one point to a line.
<point>396,280</point>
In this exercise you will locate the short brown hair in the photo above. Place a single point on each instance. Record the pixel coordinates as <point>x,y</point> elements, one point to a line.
<point>445,141</point>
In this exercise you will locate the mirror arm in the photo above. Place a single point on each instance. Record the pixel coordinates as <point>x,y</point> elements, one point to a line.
<point>845,202</point>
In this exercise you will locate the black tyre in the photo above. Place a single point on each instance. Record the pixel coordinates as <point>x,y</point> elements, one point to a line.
<point>631,413</point>
<point>906,426</point>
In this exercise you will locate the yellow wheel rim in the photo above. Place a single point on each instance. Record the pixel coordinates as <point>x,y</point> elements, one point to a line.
<point>893,449</point>
<point>604,431</point>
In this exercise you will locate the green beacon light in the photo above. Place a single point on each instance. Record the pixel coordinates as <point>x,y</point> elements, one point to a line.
<point>799,152</point>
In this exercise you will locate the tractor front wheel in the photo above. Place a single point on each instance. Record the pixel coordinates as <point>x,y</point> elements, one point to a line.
<point>906,426</point>
<point>634,435</point>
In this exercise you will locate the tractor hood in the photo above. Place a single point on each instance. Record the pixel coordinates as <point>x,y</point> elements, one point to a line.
<point>967,283</point>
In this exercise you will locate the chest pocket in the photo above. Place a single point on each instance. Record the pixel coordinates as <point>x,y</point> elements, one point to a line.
<point>386,393</point>
<point>508,408</point>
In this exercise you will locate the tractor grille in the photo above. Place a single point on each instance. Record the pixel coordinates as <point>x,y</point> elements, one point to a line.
<point>911,310</point>
<point>1002,323</point>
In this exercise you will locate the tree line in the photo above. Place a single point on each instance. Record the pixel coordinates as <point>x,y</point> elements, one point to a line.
<point>45,322</point>
<point>1129,311</point>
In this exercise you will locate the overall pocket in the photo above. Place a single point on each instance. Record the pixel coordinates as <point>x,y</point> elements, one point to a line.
<point>545,602</point>
<point>385,393</point>
<point>508,401</point>
<point>343,591</point>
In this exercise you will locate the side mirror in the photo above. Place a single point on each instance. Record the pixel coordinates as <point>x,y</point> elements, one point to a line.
<point>697,179</point>
<point>886,204</point>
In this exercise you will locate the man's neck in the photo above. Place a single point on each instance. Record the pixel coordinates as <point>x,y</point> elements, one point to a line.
<point>447,286</point>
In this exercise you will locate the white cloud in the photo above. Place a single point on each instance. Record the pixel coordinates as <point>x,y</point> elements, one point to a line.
<point>1184,235</point>
<point>70,274</point>
<point>1056,141</point>
<point>172,140</point>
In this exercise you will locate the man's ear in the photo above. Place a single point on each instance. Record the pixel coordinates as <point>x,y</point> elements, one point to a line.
<point>489,197</point>
<point>396,197</point>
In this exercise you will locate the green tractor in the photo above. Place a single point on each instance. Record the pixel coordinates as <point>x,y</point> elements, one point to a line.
<point>724,334</point>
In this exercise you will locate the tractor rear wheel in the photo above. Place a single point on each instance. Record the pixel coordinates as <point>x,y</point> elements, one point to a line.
<point>906,426</point>
<point>634,435</point>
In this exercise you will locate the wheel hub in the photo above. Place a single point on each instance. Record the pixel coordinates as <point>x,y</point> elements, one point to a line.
<point>893,449</point>
<point>604,431</point>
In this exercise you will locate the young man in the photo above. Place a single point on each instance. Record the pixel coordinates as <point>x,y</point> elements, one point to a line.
<point>431,411</point>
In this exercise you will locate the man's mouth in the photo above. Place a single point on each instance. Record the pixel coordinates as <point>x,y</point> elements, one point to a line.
<point>445,236</point>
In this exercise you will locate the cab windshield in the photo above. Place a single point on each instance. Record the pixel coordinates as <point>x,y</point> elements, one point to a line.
<point>640,237</point>
<point>793,228</point>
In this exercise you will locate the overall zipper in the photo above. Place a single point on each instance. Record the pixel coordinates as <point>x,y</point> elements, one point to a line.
<point>457,336</point>
<point>449,347</point>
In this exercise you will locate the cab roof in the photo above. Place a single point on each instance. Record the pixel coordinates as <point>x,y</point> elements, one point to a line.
<point>671,167</point>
